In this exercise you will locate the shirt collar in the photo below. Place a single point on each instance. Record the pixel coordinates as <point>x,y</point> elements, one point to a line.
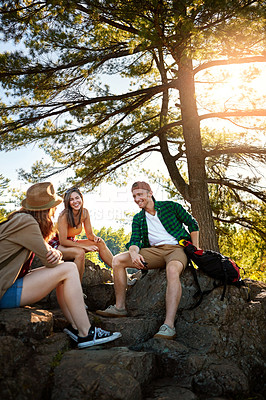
<point>156,206</point>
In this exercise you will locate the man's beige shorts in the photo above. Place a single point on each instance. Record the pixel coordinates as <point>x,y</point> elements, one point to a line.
<point>160,256</point>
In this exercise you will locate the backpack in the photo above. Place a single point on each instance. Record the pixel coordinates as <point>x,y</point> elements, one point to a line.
<point>222,269</point>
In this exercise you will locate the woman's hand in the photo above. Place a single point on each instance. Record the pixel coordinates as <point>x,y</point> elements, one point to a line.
<point>54,256</point>
<point>90,248</point>
<point>96,239</point>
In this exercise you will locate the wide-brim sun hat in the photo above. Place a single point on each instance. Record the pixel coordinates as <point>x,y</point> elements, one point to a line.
<point>41,196</point>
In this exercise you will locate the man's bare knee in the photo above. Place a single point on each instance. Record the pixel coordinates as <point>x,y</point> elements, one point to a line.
<point>116,262</point>
<point>174,269</point>
<point>120,261</point>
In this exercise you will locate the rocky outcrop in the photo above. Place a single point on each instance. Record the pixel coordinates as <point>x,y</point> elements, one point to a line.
<point>219,351</point>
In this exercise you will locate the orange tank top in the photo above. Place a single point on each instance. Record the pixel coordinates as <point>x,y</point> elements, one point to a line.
<point>72,232</point>
<point>76,230</point>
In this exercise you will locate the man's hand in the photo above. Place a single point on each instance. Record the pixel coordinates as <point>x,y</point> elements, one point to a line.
<point>137,260</point>
<point>54,256</point>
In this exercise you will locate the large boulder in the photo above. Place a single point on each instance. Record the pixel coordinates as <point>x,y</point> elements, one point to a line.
<point>219,351</point>
<point>220,345</point>
<point>117,373</point>
<point>27,364</point>
<point>26,322</point>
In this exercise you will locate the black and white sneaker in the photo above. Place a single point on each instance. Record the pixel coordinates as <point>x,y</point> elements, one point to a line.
<point>71,332</point>
<point>97,336</point>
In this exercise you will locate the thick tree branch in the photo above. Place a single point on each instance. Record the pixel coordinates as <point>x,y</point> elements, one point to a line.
<point>40,69</point>
<point>238,113</point>
<point>245,222</point>
<point>148,93</point>
<point>234,150</point>
<point>119,26</point>
<point>217,63</point>
<point>224,182</point>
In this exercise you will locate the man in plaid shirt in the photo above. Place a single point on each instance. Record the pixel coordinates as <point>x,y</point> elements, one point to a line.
<point>156,231</point>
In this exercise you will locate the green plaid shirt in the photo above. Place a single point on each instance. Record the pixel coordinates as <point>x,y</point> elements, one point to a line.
<point>172,215</point>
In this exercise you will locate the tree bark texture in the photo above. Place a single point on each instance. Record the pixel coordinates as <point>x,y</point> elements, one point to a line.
<point>198,187</point>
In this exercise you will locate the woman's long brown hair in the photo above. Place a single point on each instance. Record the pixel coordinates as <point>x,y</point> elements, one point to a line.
<point>43,217</point>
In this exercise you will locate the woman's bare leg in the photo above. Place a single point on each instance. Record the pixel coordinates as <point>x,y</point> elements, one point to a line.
<point>76,254</point>
<point>104,251</point>
<point>62,304</point>
<point>42,281</point>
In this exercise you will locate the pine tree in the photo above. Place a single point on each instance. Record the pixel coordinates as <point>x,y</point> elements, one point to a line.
<point>59,101</point>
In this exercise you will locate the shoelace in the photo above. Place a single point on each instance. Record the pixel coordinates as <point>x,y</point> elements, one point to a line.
<point>164,328</point>
<point>101,332</point>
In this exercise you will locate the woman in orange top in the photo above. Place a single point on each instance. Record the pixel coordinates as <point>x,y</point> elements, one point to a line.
<point>70,224</point>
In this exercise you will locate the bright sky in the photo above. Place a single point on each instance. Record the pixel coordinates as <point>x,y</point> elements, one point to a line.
<point>108,205</point>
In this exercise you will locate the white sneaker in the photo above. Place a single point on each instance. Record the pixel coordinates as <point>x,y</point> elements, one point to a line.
<point>165,332</point>
<point>112,311</point>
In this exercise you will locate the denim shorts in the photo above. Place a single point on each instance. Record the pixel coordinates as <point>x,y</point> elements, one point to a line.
<point>12,296</point>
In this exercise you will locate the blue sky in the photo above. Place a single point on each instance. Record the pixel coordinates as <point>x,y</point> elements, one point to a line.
<point>108,204</point>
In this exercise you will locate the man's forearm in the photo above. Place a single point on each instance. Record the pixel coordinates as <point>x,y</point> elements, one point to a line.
<point>195,238</point>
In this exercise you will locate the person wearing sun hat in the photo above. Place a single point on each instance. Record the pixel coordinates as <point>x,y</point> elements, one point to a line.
<point>41,196</point>
<point>25,232</point>
<point>154,243</point>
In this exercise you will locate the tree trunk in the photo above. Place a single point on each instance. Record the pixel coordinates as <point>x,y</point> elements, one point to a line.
<point>198,188</point>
